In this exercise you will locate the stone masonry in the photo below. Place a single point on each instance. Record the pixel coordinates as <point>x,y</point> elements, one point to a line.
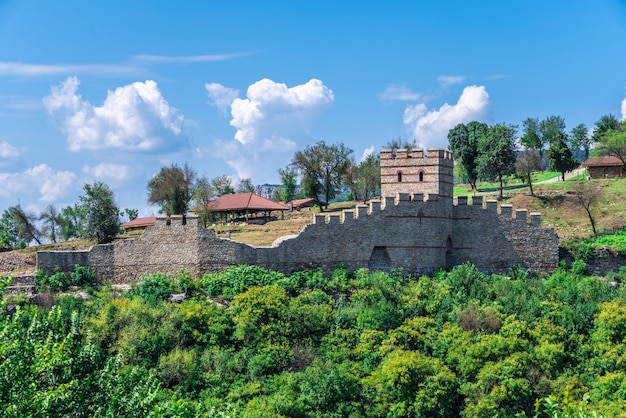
<point>416,226</point>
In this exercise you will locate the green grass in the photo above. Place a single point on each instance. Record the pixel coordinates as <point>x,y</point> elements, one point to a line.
<point>616,241</point>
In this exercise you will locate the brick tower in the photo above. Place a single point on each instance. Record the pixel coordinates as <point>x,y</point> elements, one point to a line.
<point>413,172</point>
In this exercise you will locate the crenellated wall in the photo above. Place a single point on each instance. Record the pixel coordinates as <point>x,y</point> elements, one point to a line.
<point>416,233</point>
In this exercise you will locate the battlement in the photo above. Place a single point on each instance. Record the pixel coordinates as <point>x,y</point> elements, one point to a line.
<point>403,153</point>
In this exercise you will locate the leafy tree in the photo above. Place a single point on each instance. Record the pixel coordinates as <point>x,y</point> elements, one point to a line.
<point>531,138</point>
<point>580,138</point>
<point>560,156</point>
<point>245,186</point>
<point>132,214</point>
<point>588,194</point>
<point>26,228</point>
<point>202,195</point>
<point>613,142</point>
<point>222,185</point>
<point>363,179</point>
<point>322,167</point>
<point>552,129</point>
<point>51,222</point>
<point>70,222</point>
<point>99,212</point>
<point>288,179</point>
<point>463,142</point>
<point>603,125</point>
<point>527,163</point>
<point>172,188</point>
<point>497,153</point>
<point>9,231</point>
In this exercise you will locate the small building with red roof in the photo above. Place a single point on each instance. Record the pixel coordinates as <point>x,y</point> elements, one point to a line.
<point>604,167</point>
<point>242,204</point>
<point>139,224</point>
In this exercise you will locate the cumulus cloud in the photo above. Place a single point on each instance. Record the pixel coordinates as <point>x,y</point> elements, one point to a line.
<point>135,117</point>
<point>401,93</point>
<point>106,171</point>
<point>273,115</point>
<point>448,80</point>
<point>430,128</point>
<point>47,184</point>
<point>220,96</point>
<point>624,109</point>
<point>367,152</point>
<point>8,151</point>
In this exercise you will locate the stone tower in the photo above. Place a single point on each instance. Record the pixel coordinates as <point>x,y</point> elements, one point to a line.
<point>416,172</point>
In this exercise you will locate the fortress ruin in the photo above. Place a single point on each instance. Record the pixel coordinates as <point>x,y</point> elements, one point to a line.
<point>416,226</point>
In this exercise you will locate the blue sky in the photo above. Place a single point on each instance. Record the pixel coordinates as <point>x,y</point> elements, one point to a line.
<point>112,91</point>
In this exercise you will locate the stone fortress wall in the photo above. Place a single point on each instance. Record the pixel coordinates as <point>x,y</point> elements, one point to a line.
<point>416,226</point>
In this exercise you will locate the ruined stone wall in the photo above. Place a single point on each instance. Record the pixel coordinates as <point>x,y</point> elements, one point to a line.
<point>497,238</point>
<point>411,232</point>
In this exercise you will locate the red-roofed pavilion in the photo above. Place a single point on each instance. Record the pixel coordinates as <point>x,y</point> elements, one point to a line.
<point>242,204</point>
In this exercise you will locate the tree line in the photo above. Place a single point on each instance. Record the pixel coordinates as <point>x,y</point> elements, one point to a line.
<point>491,152</point>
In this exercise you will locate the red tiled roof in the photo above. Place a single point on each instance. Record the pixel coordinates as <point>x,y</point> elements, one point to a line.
<point>241,202</point>
<point>139,222</point>
<point>302,202</point>
<point>602,161</point>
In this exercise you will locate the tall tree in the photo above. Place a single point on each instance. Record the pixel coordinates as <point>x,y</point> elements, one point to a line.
<point>613,142</point>
<point>288,179</point>
<point>531,138</point>
<point>552,129</point>
<point>605,123</point>
<point>497,153</point>
<point>70,222</point>
<point>27,228</point>
<point>203,194</point>
<point>222,185</point>
<point>588,194</point>
<point>463,142</point>
<point>9,230</point>
<point>51,219</point>
<point>580,139</point>
<point>245,186</point>
<point>526,164</point>
<point>100,213</point>
<point>172,189</point>
<point>363,179</point>
<point>560,156</point>
<point>322,167</point>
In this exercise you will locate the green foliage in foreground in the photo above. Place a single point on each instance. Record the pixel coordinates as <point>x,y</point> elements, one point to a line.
<point>256,343</point>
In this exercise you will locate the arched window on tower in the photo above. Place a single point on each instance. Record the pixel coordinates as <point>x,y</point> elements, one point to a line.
<point>399,176</point>
<point>421,176</point>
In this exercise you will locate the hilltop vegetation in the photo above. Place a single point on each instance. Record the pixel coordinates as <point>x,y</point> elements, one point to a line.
<point>251,343</point>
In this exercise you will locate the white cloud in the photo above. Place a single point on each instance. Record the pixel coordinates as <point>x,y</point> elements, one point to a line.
<point>401,93</point>
<point>190,58</point>
<point>430,128</point>
<point>624,109</point>
<point>42,182</point>
<point>274,114</point>
<point>448,80</point>
<point>37,70</point>
<point>135,117</point>
<point>105,171</point>
<point>220,96</point>
<point>367,152</point>
<point>8,151</point>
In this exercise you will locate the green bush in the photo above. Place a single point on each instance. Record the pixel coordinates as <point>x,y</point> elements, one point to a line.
<point>154,289</point>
